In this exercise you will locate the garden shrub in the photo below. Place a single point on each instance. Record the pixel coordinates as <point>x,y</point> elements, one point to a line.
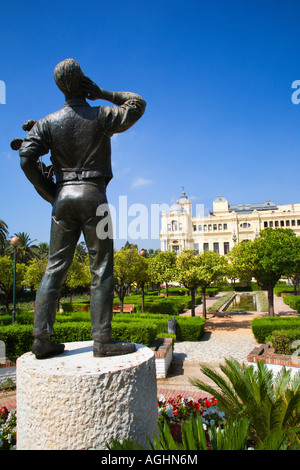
<point>18,338</point>
<point>282,340</point>
<point>189,328</point>
<point>75,306</point>
<point>283,289</point>
<point>262,328</point>
<point>293,301</point>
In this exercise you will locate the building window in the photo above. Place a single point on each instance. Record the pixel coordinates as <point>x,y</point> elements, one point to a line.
<point>282,223</point>
<point>216,247</point>
<point>209,227</point>
<point>265,224</point>
<point>298,222</point>
<point>245,225</point>
<point>200,228</point>
<point>276,223</point>
<point>271,224</point>
<point>287,223</point>
<point>169,227</point>
<point>293,223</point>
<point>205,246</point>
<point>220,226</point>
<point>174,225</point>
<point>226,248</point>
<point>194,228</point>
<point>225,226</point>
<point>176,249</point>
<point>215,226</point>
<point>196,248</point>
<point>180,226</point>
<point>205,227</point>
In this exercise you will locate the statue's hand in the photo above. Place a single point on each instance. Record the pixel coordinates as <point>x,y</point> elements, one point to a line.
<point>91,90</point>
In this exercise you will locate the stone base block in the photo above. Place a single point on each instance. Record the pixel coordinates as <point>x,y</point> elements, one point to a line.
<point>76,401</point>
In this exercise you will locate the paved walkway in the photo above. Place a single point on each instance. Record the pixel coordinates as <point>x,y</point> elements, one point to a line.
<point>226,335</point>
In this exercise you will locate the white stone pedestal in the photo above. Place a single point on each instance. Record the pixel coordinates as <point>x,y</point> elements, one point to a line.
<point>76,401</point>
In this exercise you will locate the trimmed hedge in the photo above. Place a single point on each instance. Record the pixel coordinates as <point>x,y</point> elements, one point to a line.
<point>18,338</point>
<point>262,328</point>
<point>172,305</point>
<point>293,301</point>
<point>139,328</point>
<point>283,289</point>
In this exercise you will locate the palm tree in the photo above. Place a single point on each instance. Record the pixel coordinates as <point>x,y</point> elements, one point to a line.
<point>3,234</point>
<point>42,250</point>
<point>26,251</point>
<point>272,404</point>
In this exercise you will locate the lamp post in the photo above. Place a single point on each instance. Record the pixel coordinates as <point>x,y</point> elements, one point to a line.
<point>15,242</point>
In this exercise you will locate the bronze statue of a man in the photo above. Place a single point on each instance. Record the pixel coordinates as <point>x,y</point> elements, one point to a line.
<point>78,137</point>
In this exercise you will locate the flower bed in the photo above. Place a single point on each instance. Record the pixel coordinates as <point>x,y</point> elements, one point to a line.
<point>7,429</point>
<point>179,409</point>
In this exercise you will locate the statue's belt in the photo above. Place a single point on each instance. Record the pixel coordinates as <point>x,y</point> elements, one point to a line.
<point>71,175</point>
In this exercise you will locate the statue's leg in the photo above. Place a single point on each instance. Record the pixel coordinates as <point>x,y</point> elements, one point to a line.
<point>102,285</point>
<point>64,237</point>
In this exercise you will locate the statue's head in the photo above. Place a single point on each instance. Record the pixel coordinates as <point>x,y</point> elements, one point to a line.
<point>67,76</point>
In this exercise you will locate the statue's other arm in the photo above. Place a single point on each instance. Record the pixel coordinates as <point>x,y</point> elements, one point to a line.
<point>131,107</point>
<point>36,144</point>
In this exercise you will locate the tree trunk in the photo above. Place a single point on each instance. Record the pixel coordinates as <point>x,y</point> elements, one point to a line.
<point>204,303</point>
<point>167,289</point>
<point>158,288</point>
<point>271,312</point>
<point>143,297</point>
<point>7,302</point>
<point>193,302</point>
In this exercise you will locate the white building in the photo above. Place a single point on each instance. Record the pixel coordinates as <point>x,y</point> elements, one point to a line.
<point>226,226</point>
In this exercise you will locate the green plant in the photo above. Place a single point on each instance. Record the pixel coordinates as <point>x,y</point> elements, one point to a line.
<point>262,328</point>
<point>8,422</point>
<point>7,384</point>
<point>272,404</point>
<point>282,341</point>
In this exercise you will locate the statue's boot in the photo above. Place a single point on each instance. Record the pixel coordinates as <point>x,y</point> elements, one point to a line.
<point>113,348</point>
<point>43,348</point>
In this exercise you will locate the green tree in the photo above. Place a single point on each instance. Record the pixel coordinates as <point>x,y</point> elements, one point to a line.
<point>294,271</point>
<point>34,273</point>
<point>212,269</point>
<point>42,251</point>
<point>126,262</point>
<point>7,278</point>
<point>267,259</point>
<point>27,250</point>
<point>81,252</point>
<point>162,268</point>
<point>142,275</point>
<point>3,235</point>
<point>188,273</point>
<point>271,403</point>
<point>79,275</point>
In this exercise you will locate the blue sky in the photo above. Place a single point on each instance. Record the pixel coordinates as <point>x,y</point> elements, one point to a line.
<point>217,79</point>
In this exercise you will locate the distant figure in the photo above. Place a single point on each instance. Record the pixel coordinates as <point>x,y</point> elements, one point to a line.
<point>78,136</point>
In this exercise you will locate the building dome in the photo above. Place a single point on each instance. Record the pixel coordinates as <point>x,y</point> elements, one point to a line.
<point>177,208</point>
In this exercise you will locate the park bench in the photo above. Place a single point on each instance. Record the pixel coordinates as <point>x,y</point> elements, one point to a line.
<point>127,308</point>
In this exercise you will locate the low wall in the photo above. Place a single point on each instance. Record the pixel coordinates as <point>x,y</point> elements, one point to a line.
<point>273,361</point>
<point>163,351</point>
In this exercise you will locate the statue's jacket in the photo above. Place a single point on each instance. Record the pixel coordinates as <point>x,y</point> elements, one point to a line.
<point>79,138</point>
